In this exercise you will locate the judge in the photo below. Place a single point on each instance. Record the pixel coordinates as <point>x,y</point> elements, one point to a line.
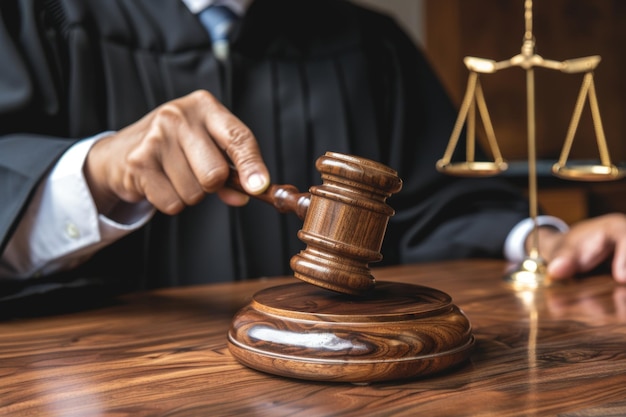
<point>118,122</point>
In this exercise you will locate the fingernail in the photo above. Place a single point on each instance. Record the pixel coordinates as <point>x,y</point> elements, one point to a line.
<point>257,182</point>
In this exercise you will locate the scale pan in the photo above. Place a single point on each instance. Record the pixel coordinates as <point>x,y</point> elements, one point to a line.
<point>472,169</point>
<point>588,172</point>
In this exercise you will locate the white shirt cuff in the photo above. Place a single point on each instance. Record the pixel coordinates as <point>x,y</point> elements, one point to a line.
<point>62,227</point>
<point>515,244</point>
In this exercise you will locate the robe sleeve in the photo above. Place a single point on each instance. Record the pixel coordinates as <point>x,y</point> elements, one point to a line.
<point>27,99</point>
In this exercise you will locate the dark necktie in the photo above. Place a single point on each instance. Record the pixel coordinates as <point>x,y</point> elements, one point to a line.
<point>218,21</point>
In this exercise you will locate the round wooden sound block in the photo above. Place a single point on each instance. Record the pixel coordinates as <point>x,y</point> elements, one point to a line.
<point>397,331</point>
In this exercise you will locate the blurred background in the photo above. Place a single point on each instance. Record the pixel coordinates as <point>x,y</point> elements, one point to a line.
<point>449,30</point>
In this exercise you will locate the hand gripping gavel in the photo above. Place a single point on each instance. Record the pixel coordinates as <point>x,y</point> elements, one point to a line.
<point>345,220</point>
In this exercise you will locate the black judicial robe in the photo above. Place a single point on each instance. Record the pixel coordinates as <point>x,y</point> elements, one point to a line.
<point>321,75</point>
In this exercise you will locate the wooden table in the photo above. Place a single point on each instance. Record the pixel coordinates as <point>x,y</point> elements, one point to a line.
<point>555,351</point>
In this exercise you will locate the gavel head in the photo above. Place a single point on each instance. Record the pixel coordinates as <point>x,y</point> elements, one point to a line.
<point>345,223</point>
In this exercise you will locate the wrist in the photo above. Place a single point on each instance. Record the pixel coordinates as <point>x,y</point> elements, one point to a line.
<point>515,246</point>
<point>95,177</point>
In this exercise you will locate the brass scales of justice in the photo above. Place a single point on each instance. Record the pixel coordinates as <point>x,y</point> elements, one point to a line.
<point>532,271</point>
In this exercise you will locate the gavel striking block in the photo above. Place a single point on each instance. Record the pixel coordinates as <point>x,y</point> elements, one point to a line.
<point>346,327</point>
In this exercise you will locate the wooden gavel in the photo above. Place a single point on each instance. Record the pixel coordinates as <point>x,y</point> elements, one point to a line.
<point>345,220</point>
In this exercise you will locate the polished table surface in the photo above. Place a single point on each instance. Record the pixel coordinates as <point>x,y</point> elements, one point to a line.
<point>553,351</point>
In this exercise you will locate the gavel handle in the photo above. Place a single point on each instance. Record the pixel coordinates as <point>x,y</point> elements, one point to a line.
<point>285,198</point>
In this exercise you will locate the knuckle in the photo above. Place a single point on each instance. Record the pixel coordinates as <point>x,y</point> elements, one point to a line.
<point>214,178</point>
<point>201,99</point>
<point>239,146</point>
<point>143,160</point>
<point>147,150</point>
<point>168,114</point>
<point>239,136</point>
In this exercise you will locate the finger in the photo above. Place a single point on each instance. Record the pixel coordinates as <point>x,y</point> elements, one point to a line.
<point>619,261</point>
<point>616,235</point>
<point>593,250</point>
<point>206,160</point>
<point>563,266</point>
<point>579,256</point>
<point>160,192</point>
<point>181,135</point>
<point>237,140</point>
<point>178,169</point>
<point>619,268</point>
<point>233,197</point>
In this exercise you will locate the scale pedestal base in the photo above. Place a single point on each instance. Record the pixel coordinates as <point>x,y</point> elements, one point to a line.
<point>531,273</point>
<point>397,331</point>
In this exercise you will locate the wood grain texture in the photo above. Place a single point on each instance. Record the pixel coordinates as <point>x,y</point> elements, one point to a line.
<point>556,351</point>
<point>345,223</point>
<point>399,331</point>
<point>345,220</point>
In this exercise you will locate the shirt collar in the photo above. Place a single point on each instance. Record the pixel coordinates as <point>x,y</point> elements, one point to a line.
<point>239,7</point>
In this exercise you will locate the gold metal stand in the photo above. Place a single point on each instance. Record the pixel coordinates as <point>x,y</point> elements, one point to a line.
<point>531,273</point>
